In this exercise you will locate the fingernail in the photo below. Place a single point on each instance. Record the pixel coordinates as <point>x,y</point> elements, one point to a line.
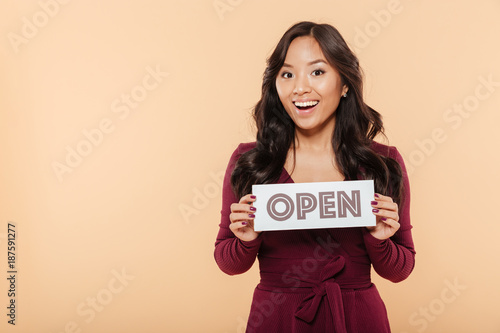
<point>253,209</point>
<point>374,203</point>
<point>384,219</point>
<point>251,216</point>
<point>244,223</point>
<point>377,196</point>
<point>253,197</point>
<point>375,210</point>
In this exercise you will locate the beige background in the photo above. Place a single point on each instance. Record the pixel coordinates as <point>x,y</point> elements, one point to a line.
<point>119,209</point>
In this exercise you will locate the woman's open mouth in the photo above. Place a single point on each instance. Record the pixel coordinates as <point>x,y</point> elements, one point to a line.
<point>305,106</point>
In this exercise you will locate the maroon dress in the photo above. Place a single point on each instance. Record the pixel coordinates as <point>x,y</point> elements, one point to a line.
<point>317,280</point>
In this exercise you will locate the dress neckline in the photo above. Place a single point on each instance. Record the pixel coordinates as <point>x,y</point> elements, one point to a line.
<point>287,178</point>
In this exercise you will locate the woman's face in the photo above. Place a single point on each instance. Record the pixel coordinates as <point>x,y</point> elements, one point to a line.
<point>309,87</point>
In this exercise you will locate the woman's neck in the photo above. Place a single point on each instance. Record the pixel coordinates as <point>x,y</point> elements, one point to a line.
<point>317,140</point>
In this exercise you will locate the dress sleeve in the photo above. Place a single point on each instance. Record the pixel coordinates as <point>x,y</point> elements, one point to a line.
<point>232,255</point>
<point>394,258</point>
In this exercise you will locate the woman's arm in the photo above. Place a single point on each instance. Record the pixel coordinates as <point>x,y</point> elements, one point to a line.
<point>394,258</point>
<point>233,256</point>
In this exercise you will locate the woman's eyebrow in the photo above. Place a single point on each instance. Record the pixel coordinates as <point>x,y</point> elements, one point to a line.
<point>317,61</point>
<point>314,62</point>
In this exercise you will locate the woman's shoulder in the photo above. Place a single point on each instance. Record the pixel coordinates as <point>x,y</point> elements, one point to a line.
<point>241,149</point>
<point>244,147</point>
<point>385,150</point>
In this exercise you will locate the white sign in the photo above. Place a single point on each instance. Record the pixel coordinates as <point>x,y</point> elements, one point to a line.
<point>313,205</point>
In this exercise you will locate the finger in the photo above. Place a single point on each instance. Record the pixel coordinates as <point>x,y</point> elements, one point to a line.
<point>237,207</point>
<point>380,197</point>
<point>390,222</point>
<point>248,199</point>
<point>238,225</point>
<point>385,205</point>
<point>388,214</point>
<point>238,217</point>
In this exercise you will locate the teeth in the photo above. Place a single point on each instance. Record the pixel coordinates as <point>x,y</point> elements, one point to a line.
<point>306,104</point>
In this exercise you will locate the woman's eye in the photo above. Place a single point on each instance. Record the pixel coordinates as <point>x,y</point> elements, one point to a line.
<point>317,72</point>
<point>287,75</point>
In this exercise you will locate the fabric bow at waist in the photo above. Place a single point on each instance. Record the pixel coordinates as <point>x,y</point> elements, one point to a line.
<point>326,287</point>
<point>334,276</point>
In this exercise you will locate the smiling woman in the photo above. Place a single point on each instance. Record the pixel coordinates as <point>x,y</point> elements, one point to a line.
<point>313,125</point>
<point>309,87</point>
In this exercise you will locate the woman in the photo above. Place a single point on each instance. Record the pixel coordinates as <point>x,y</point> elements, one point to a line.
<point>312,125</point>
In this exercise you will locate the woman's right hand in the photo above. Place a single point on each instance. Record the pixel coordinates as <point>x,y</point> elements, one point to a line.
<point>242,215</point>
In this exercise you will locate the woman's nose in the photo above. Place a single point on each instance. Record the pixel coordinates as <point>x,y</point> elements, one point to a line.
<point>302,85</point>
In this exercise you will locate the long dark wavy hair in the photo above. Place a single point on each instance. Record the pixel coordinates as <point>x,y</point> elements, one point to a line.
<point>356,124</point>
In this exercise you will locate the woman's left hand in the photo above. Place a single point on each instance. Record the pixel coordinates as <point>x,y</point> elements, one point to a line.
<point>386,211</point>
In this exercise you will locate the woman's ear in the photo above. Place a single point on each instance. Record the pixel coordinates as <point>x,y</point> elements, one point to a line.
<point>345,89</point>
